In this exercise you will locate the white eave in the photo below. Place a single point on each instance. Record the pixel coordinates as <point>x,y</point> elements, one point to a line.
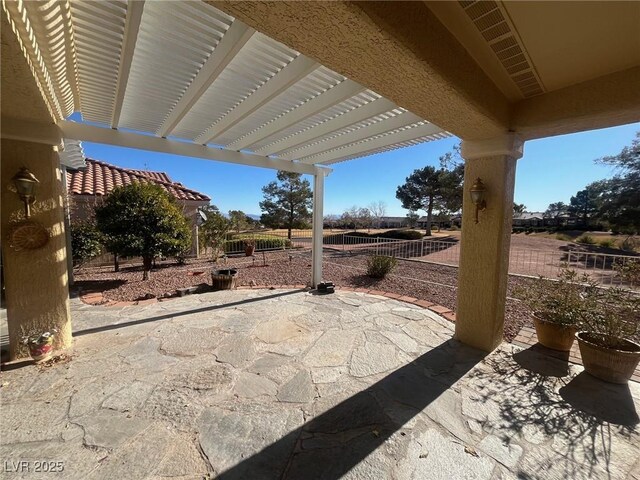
<point>204,84</point>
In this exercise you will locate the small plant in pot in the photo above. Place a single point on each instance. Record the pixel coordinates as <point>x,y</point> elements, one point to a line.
<point>557,307</point>
<point>249,246</point>
<point>609,340</point>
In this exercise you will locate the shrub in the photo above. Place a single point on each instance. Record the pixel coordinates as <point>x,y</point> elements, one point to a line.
<point>378,266</point>
<point>560,301</point>
<point>401,234</point>
<point>563,237</point>
<point>586,239</point>
<point>629,244</point>
<point>261,242</point>
<point>86,242</point>
<point>607,243</point>
<point>629,271</point>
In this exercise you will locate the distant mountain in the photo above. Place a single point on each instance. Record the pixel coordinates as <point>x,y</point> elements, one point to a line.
<point>254,216</point>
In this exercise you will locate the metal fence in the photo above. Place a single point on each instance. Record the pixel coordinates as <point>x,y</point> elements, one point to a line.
<point>600,266</point>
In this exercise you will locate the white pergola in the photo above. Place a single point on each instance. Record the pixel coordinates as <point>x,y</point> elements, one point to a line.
<point>185,78</point>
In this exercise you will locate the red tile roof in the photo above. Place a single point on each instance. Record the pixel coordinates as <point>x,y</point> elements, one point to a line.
<point>100,178</point>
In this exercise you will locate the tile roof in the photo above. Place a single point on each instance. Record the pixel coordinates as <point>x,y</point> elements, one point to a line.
<point>100,178</point>
<point>162,176</point>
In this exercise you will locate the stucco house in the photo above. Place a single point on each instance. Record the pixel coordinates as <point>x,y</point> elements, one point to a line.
<point>88,186</point>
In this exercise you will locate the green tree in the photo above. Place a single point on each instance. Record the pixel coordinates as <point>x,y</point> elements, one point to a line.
<point>412,219</point>
<point>620,200</point>
<point>214,231</point>
<point>519,208</point>
<point>586,203</point>
<point>86,242</point>
<point>555,211</point>
<point>240,220</point>
<point>287,202</point>
<point>143,220</point>
<point>432,189</point>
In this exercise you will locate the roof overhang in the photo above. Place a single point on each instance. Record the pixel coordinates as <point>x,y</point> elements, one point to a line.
<point>194,81</point>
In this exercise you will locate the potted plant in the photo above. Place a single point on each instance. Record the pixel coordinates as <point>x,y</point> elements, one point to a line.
<point>606,342</point>
<point>249,246</point>
<point>40,345</point>
<point>557,307</point>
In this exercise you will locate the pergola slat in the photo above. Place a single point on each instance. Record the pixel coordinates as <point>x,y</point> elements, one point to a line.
<point>376,107</point>
<point>300,67</point>
<point>370,146</point>
<point>131,29</point>
<point>318,104</point>
<point>232,41</point>
<point>398,121</point>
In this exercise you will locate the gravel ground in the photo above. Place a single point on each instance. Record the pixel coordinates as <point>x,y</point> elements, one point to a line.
<point>434,283</point>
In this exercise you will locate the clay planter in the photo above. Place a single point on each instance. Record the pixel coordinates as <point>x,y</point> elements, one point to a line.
<point>249,249</point>
<point>614,365</point>
<point>224,279</point>
<point>553,335</point>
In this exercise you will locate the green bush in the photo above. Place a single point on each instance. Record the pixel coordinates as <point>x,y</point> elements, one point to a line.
<point>378,266</point>
<point>607,243</point>
<point>262,242</point>
<point>629,244</point>
<point>586,239</point>
<point>86,242</point>
<point>401,234</point>
<point>563,237</point>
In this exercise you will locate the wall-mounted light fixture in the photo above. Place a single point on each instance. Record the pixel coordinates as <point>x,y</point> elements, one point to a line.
<point>25,183</point>
<point>477,196</point>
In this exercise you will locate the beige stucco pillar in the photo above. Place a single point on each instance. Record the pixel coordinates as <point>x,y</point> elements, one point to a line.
<point>484,246</point>
<point>36,282</point>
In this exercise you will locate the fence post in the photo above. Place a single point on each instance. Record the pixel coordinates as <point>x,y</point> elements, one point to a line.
<point>377,245</point>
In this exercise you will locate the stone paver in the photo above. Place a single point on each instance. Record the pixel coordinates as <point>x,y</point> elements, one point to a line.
<point>253,384</point>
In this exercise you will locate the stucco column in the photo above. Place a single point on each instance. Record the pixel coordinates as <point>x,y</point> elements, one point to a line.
<point>36,281</point>
<point>484,246</point>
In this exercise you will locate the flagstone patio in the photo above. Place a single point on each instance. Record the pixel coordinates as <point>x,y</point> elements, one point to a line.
<point>267,384</point>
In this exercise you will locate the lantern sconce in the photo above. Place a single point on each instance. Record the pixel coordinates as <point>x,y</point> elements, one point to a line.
<point>25,183</point>
<point>477,196</point>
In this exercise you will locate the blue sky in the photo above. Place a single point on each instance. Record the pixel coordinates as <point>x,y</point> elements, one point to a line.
<point>551,170</point>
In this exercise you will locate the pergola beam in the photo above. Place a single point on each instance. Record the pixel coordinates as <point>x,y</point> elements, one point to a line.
<point>296,70</point>
<point>320,103</point>
<point>131,29</point>
<point>367,146</point>
<point>107,136</point>
<point>378,128</point>
<point>371,109</point>
<point>231,43</point>
<point>417,62</point>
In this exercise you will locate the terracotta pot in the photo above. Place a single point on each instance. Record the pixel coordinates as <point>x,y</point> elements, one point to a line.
<point>249,249</point>
<point>614,365</point>
<point>553,335</point>
<point>224,279</point>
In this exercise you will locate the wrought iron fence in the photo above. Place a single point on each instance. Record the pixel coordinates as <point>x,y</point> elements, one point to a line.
<point>602,267</point>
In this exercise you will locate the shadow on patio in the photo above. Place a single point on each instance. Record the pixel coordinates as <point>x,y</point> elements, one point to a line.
<point>329,445</point>
<point>541,399</point>
<point>116,326</point>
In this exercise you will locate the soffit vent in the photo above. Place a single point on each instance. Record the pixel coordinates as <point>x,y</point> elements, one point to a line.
<point>494,25</point>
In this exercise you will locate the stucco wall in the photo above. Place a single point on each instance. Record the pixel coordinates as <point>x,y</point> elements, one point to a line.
<point>36,283</point>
